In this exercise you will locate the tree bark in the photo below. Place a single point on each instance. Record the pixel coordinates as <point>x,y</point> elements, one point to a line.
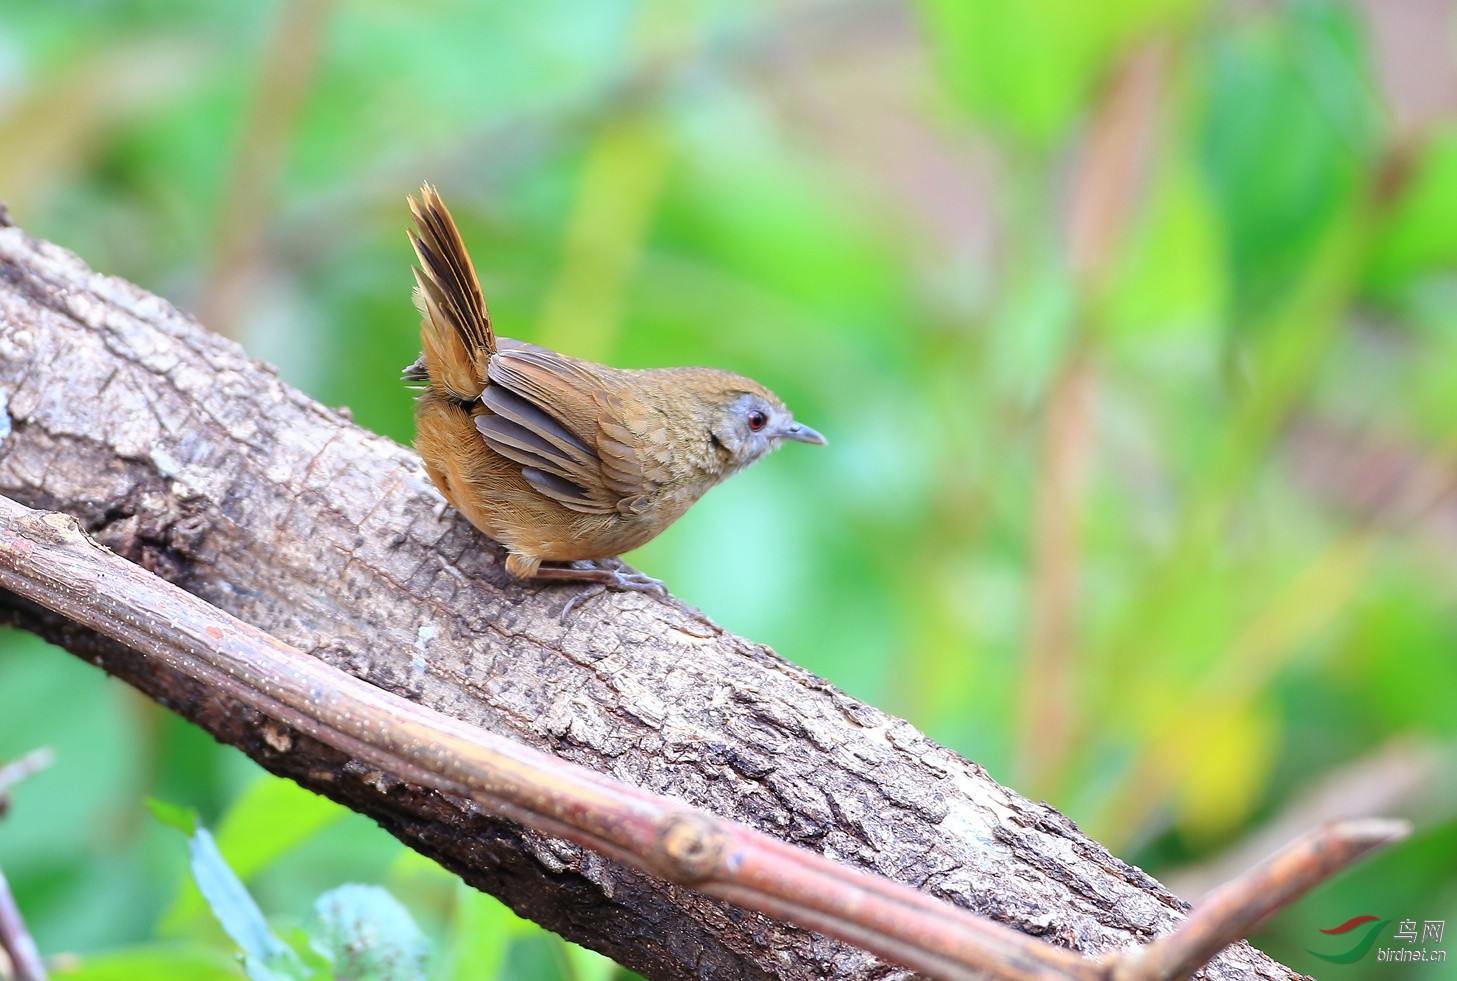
<point>175,450</point>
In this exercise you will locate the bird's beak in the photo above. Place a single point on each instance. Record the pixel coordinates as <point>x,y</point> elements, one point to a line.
<point>803,434</point>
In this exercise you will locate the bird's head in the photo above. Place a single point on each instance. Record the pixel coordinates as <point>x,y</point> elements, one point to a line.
<point>745,421</point>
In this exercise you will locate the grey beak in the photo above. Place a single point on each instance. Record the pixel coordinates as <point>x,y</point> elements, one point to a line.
<point>803,434</point>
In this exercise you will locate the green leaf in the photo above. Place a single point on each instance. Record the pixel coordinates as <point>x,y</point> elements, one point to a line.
<point>265,957</point>
<point>588,965</point>
<point>367,935</point>
<point>1032,336</point>
<point>272,817</point>
<point>314,960</point>
<point>1420,235</point>
<point>175,962</point>
<point>1289,128</point>
<point>1028,67</point>
<point>1171,278</point>
<point>184,819</point>
<point>482,933</point>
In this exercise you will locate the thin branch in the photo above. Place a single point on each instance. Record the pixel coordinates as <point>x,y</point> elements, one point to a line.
<point>1113,176</point>
<point>259,158</point>
<point>1405,777</point>
<point>1236,908</point>
<point>46,558</point>
<point>1108,190</point>
<point>25,767</point>
<point>1050,702</point>
<point>15,939</point>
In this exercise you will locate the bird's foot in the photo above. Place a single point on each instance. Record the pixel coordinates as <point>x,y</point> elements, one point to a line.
<point>617,580</point>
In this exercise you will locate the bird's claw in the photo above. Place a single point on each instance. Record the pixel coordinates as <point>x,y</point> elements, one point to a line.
<point>636,582</point>
<point>619,581</point>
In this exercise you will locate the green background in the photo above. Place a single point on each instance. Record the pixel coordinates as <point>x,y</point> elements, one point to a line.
<point>1156,521</point>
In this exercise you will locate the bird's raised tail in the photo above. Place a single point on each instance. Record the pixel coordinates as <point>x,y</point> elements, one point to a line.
<point>455,329</point>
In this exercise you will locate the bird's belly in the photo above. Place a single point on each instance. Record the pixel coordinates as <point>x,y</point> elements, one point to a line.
<point>525,521</point>
<point>583,536</point>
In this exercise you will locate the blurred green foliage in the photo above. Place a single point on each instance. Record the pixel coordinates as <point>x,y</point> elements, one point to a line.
<point>864,205</point>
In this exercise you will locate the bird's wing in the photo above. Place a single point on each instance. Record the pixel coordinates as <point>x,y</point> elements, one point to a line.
<point>571,435</point>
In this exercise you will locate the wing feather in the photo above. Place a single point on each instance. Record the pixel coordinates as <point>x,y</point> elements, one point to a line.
<point>555,417</point>
<point>550,434</point>
<point>562,491</point>
<point>515,442</point>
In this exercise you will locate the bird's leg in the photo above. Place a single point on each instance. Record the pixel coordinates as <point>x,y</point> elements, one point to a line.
<point>615,574</point>
<point>600,579</point>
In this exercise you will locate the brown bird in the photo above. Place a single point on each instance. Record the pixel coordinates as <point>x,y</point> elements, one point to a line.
<point>562,460</point>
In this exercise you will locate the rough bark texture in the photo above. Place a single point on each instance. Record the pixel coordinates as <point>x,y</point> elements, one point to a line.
<point>181,454</point>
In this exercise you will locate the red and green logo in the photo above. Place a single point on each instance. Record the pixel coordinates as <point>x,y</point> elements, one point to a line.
<point>1364,938</point>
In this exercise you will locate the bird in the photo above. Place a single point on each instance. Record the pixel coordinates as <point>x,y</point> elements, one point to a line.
<point>565,462</point>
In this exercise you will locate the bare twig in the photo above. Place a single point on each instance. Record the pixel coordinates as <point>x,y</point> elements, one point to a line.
<point>1298,331</point>
<point>1111,181</point>
<point>1237,907</point>
<point>45,558</point>
<point>27,766</point>
<point>259,158</point>
<point>1400,778</point>
<point>1050,679</point>
<point>1107,192</point>
<point>1402,487</point>
<point>15,939</point>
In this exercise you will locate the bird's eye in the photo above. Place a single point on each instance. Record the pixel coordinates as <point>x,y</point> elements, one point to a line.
<point>757,420</point>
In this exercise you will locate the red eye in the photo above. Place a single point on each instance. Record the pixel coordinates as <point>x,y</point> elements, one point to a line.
<point>757,420</point>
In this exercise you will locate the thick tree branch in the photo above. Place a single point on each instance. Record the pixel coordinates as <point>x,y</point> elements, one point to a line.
<point>46,559</point>
<point>182,456</point>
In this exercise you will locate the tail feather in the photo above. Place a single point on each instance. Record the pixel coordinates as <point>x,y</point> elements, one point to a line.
<point>455,329</point>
